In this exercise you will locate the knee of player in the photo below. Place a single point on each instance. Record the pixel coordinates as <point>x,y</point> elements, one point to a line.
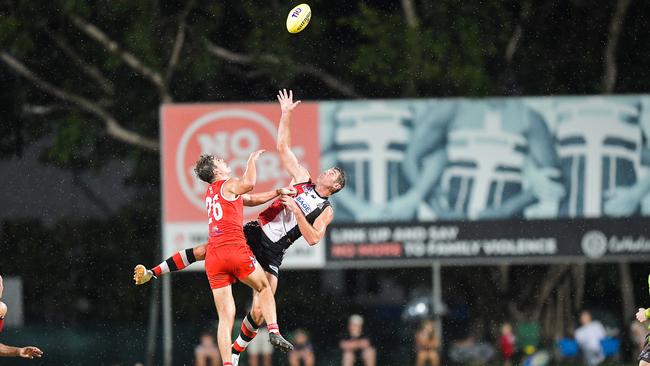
<point>262,286</point>
<point>199,252</point>
<point>3,309</point>
<point>227,311</point>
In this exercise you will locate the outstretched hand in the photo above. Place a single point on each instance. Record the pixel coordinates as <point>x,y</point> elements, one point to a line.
<point>30,352</point>
<point>287,191</point>
<point>255,155</point>
<point>286,100</point>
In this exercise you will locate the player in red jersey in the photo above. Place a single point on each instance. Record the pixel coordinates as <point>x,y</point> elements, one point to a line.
<point>10,351</point>
<point>306,213</point>
<point>228,257</point>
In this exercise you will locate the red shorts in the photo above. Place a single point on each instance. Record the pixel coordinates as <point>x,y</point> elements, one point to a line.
<point>224,264</point>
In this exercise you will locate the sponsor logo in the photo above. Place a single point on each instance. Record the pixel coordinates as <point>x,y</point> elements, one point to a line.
<point>594,244</point>
<point>231,134</point>
<point>303,205</point>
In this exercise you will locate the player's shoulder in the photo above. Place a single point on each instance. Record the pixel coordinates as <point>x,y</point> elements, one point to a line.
<point>228,181</point>
<point>327,211</point>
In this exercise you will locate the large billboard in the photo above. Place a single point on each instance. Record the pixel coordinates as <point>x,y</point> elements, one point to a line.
<point>516,178</point>
<point>528,178</point>
<point>230,131</point>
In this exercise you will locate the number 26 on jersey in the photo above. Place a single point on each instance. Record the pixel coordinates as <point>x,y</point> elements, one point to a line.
<point>214,208</point>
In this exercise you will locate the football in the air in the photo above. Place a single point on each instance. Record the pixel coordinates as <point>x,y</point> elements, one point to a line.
<point>298,18</point>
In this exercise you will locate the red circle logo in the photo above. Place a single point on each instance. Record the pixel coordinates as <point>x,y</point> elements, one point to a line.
<point>232,135</point>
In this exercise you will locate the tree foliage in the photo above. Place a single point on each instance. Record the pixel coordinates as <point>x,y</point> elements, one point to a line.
<point>116,61</point>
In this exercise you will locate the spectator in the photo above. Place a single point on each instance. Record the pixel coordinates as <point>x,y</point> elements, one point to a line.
<point>588,336</point>
<point>507,344</point>
<point>302,350</point>
<point>207,353</point>
<point>426,344</point>
<point>357,346</point>
<point>260,346</point>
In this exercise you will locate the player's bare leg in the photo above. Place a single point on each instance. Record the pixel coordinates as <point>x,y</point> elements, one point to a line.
<point>256,308</point>
<point>251,322</point>
<point>643,363</point>
<point>258,282</point>
<point>176,262</point>
<point>225,304</point>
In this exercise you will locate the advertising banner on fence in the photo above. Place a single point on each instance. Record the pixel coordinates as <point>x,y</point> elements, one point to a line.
<point>232,132</point>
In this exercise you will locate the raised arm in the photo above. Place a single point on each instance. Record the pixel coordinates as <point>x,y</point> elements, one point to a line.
<point>235,186</point>
<point>296,171</point>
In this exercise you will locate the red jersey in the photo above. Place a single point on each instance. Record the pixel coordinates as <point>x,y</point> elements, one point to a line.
<point>225,217</point>
<point>507,345</point>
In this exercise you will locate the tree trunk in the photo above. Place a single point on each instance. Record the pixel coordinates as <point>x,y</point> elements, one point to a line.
<point>578,272</point>
<point>615,28</point>
<point>627,291</point>
<point>551,280</point>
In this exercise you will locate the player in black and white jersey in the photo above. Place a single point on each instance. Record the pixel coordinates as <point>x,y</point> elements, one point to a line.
<point>305,211</point>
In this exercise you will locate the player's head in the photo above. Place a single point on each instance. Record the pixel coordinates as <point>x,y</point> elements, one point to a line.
<point>332,178</point>
<point>209,167</point>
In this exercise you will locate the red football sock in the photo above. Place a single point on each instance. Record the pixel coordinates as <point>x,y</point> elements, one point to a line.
<point>176,262</point>
<point>273,328</point>
<point>247,332</point>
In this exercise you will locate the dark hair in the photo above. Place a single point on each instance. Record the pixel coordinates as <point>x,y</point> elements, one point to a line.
<point>340,180</point>
<point>204,168</point>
